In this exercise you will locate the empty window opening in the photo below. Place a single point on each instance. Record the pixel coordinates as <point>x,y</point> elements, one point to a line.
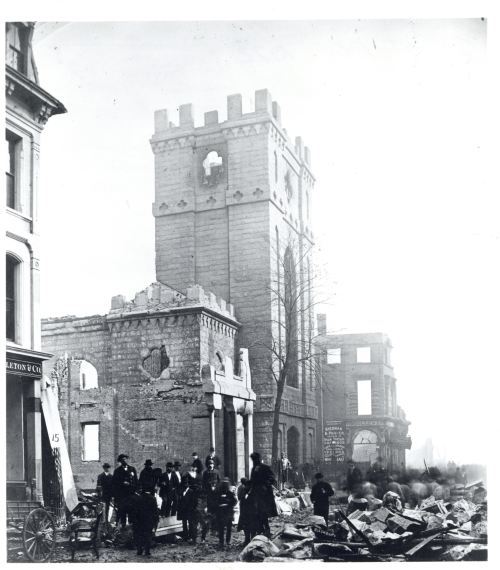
<point>363,354</point>
<point>90,442</point>
<point>88,376</point>
<point>334,356</point>
<point>212,168</point>
<point>364,397</point>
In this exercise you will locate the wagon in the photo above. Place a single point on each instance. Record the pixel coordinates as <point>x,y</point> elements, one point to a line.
<point>32,524</point>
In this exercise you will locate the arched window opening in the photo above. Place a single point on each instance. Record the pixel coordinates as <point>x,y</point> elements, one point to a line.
<point>290,308</point>
<point>212,168</point>
<point>365,446</point>
<point>88,376</point>
<point>275,167</point>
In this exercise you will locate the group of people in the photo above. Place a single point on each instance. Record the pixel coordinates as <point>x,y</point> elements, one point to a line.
<point>199,497</point>
<point>398,489</point>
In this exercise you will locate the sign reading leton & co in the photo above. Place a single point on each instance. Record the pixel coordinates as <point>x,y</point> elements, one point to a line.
<point>23,367</point>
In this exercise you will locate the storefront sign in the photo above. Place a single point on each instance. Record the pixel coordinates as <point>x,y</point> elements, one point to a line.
<point>29,368</point>
<point>334,442</point>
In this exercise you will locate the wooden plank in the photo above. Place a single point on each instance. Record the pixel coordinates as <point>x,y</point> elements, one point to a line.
<point>420,545</point>
<point>356,530</point>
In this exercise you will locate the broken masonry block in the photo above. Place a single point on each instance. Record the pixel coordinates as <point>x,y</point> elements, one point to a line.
<point>195,293</point>
<point>118,302</point>
<point>399,524</point>
<point>380,514</point>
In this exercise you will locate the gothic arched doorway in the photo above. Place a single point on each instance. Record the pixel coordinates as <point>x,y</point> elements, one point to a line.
<point>292,446</point>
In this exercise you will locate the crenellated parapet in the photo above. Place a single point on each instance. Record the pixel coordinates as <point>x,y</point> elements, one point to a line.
<point>264,118</point>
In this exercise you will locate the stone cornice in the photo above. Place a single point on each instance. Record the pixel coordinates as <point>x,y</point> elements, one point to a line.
<point>207,317</point>
<point>43,104</point>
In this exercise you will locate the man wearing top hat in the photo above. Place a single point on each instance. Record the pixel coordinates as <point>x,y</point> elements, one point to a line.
<point>105,488</point>
<point>124,485</point>
<point>148,478</point>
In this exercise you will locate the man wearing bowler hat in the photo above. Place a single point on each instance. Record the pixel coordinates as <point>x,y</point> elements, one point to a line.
<point>167,490</point>
<point>177,487</point>
<point>197,464</point>
<point>213,457</point>
<point>148,478</point>
<point>124,485</point>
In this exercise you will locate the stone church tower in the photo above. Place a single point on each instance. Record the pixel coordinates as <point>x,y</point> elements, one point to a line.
<point>232,208</point>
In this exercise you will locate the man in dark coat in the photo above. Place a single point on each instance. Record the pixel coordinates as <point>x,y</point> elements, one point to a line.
<point>145,521</point>
<point>261,491</point>
<point>320,497</point>
<point>177,486</point>
<point>105,489</point>
<point>148,478</point>
<point>354,477</point>
<point>168,491</point>
<point>215,458</point>
<point>188,513</point>
<point>210,481</point>
<point>197,463</point>
<point>124,485</point>
<point>377,474</point>
<point>224,511</point>
<point>248,512</point>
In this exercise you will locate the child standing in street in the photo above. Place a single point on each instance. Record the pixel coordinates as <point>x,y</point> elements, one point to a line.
<point>225,503</point>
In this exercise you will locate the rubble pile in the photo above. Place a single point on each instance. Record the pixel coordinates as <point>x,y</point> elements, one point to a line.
<point>379,531</point>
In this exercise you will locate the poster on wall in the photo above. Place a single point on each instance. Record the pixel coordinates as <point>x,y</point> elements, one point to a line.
<point>334,442</point>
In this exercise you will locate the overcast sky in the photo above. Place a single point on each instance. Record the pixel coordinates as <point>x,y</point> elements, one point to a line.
<point>394,114</point>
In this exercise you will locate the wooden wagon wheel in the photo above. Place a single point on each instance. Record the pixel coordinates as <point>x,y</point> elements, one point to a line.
<point>39,535</point>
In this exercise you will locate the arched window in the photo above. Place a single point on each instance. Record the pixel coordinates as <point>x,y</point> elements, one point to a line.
<point>88,376</point>
<point>290,308</point>
<point>12,274</point>
<point>275,167</point>
<point>212,168</point>
<point>364,449</point>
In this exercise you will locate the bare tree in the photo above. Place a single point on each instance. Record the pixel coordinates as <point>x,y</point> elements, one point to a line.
<point>290,342</point>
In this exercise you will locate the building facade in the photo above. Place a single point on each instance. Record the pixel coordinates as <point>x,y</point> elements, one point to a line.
<point>28,107</point>
<point>157,378</point>
<point>232,213</point>
<point>360,416</point>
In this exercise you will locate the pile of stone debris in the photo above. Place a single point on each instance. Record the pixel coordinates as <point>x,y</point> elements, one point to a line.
<point>435,530</point>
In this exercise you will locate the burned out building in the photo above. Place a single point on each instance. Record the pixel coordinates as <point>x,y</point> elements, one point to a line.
<point>232,203</point>
<point>359,411</point>
<point>154,378</point>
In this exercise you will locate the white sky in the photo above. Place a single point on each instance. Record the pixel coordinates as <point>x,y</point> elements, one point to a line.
<point>395,115</point>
